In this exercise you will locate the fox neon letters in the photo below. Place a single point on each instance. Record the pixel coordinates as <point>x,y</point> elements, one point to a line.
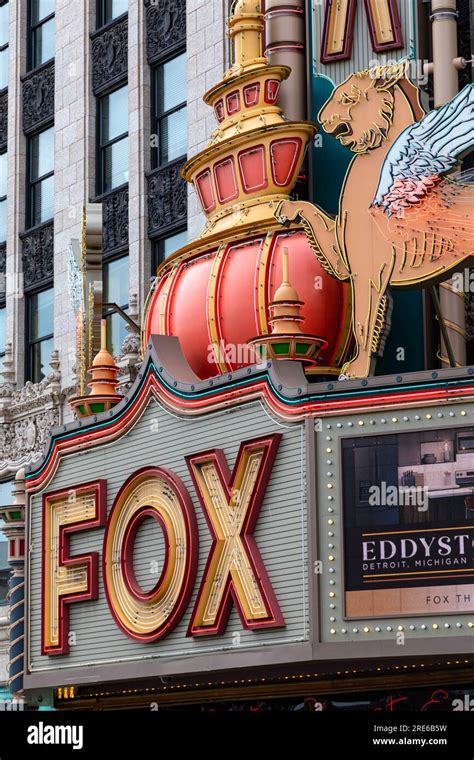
<point>234,570</point>
<point>338,30</point>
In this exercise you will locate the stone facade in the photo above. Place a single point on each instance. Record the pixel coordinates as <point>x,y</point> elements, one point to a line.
<point>66,91</point>
<point>207,61</point>
<point>26,411</point>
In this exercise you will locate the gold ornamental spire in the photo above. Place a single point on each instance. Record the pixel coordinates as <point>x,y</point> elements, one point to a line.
<point>254,155</point>
<point>246,31</point>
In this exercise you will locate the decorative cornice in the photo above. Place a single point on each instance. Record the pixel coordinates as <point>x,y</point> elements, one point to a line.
<point>38,98</point>
<point>38,256</point>
<point>3,120</point>
<point>110,55</point>
<point>115,220</point>
<point>165,27</point>
<point>167,199</point>
<point>27,419</point>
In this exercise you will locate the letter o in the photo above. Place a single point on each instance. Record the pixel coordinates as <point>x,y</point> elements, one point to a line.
<point>158,493</point>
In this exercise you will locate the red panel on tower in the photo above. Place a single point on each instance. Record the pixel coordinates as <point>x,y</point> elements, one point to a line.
<point>226,181</point>
<point>284,155</point>
<point>252,169</point>
<point>205,191</point>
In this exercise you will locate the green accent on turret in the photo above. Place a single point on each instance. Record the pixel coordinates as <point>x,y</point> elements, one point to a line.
<point>97,408</point>
<point>281,348</point>
<point>302,348</point>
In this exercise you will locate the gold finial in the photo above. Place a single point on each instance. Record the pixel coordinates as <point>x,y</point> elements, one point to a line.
<point>103,334</point>
<point>286,306</point>
<point>285,266</point>
<point>246,30</point>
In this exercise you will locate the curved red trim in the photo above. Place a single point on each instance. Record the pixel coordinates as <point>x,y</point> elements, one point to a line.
<point>259,389</point>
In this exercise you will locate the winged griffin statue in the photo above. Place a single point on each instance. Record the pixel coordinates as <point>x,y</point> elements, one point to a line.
<point>406,214</point>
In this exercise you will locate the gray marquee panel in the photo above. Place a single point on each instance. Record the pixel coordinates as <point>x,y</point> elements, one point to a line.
<point>160,438</point>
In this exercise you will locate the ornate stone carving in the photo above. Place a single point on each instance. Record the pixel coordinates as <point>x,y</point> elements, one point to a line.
<point>165,27</point>
<point>25,423</point>
<point>115,220</point>
<point>7,378</point>
<point>38,255</point>
<point>109,55</point>
<point>167,199</point>
<point>3,120</point>
<point>129,362</point>
<point>38,98</point>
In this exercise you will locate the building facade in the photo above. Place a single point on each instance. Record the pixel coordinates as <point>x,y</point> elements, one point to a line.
<point>102,103</point>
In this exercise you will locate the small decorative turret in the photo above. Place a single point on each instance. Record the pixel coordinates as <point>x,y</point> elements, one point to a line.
<point>103,382</point>
<point>286,340</point>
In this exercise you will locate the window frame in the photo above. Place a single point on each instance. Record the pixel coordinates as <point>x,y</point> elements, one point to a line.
<point>157,257</point>
<point>30,343</point>
<point>5,46</point>
<point>156,119</point>
<point>3,305</point>
<point>32,27</point>
<point>106,261</point>
<point>102,146</point>
<point>101,15</point>
<point>2,199</point>
<point>31,184</point>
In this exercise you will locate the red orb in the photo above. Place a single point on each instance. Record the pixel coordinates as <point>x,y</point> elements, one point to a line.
<point>216,301</point>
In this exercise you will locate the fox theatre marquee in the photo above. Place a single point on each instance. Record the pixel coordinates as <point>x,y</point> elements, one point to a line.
<point>272,519</point>
<point>228,527</point>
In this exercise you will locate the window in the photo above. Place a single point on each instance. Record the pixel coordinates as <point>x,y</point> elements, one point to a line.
<point>110,9</point>
<point>3,46</point>
<point>3,333</point>
<point>41,177</point>
<point>3,197</point>
<point>169,121</point>
<point>113,140</point>
<point>41,32</point>
<point>40,333</point>
<point>116,291</point>
<point>166,246</point>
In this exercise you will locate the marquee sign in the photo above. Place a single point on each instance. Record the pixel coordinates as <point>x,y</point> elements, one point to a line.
<point>234,568</point>
<point>156,538</point>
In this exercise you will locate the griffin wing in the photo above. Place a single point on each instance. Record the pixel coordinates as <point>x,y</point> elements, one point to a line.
<point>424,152</point>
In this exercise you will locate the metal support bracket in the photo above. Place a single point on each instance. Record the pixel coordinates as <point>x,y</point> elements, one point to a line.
<point>114,307</point>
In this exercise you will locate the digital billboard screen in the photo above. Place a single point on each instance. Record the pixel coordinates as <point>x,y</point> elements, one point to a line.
<point>408,508</point>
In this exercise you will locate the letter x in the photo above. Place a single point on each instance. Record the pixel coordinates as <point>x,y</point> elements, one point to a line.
<point>234,569</point>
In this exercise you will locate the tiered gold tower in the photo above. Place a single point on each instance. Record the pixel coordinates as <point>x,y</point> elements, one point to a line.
<point>254,155</point>
<point>214,293</point>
